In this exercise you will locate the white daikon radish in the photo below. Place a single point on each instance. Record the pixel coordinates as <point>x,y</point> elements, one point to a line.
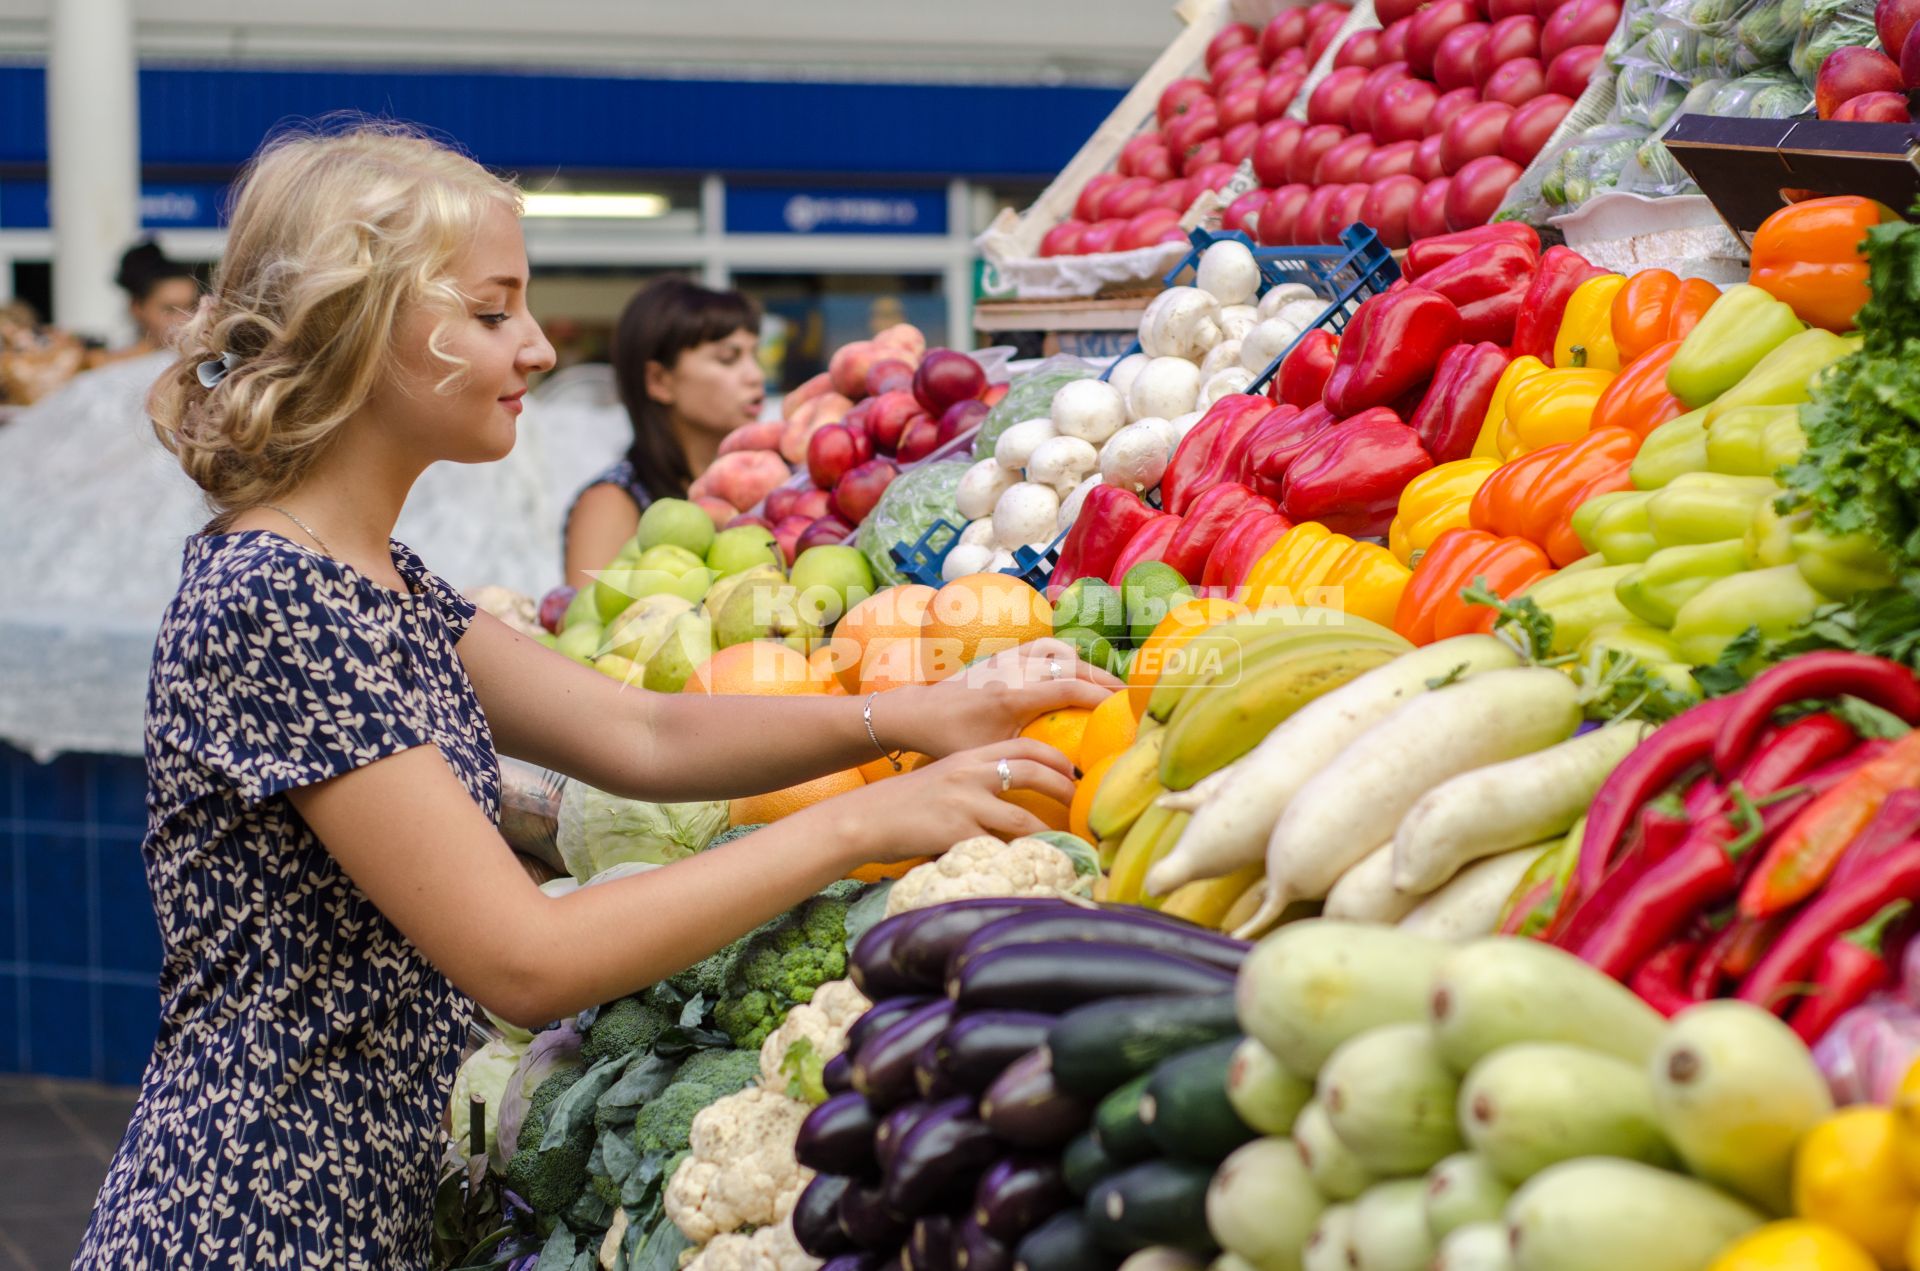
<point>1089,410</point>
<point>1019,442</point>
<point>1228,272</point>
<point>981,487</point>
<point>1025,513</point>
<point>1165,387</point>
<point>1469,906</point>
<point>1365,893</point>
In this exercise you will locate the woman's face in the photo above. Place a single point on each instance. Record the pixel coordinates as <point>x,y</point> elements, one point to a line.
<point>715,387</point>
<point>166,309</point>
<point>475,418</point>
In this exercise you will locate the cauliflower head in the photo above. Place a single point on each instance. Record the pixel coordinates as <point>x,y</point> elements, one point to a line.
<point>741,1171</point>
<point>984,866</point>
<point>794,1054</point>
<point>773,1248</point>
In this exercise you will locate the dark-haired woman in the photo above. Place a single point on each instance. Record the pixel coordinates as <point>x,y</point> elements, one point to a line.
<point>161,295</point>
<point>686,360</point>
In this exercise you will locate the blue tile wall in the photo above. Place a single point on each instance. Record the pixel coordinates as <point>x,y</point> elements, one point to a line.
<point>79,946</point>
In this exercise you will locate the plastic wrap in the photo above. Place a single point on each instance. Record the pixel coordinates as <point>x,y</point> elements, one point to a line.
<point>1826,25</point>
<point>910,506</point>
<point>1028,397</point>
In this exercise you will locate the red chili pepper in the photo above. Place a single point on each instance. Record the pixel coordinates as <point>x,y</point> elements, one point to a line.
<point>1897,821</point>
<point>1350,476</point>
<point>1448,418</point>
<point>1430,253</point>
<point>1391,346</point>
<point>1657,831</point>
<point>1235,551</point>
<point>1108,519</point>
<point>1561,272</point>
<point>1149,542</point>
<point>1853,966</point>
<point>1200,462</point>
<point>1807,853</point>
<point>1792,751</point>
<point>1883,683</point>
<point>1750,940</point>
<point>1487,284</point>
<point>1833,912</point>
<point>1303,375</point>
<point>1661,980</point>
<point>1208,517</point>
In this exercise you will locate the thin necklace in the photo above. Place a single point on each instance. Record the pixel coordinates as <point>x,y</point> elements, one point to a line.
<point>328,551</point>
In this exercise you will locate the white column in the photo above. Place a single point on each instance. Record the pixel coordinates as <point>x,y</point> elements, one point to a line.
<point>717,271</point>
<point>958,283</point>
<point>93,160</point>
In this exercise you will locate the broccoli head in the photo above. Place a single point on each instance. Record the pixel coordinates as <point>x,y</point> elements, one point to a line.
<point>728,836</point>
<point>725,1070</point>
<point>665,1124</point>
<point>549,1181</point>
<point>627,1026</point>
<point>782,963</point>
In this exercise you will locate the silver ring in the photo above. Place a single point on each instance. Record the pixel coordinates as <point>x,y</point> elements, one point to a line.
<point>1005,770</point>
<point>1053,669</point>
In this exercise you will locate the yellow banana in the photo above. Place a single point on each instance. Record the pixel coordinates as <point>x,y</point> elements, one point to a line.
<point>1208,901</point>
<point>1130,786</point>
<point>1151,837</point>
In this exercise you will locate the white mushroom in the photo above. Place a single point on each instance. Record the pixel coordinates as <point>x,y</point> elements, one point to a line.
<point>979,533</point>
<point>964,559</point>
<point>1089,410</point>
<point>1219,358</point>
<point>1229,272</point>
<point>1070,506</point>
<point>1125,369</point>
<point>1168,386</point>
<point>980,488</point>
<point>1001,562</point>
<point>1302,313</point>
<point>1162,426</point>
<point>1183,424</point>
<point>1025,513</point>
<point>1286,291</point>
<point>1237,320</point>
<point>1228,382</point>
<point>1019,442</point>
<point>1136,458</point>
<point>1183,322</point>
<point>1267,342</point>
<point>1061,462</point>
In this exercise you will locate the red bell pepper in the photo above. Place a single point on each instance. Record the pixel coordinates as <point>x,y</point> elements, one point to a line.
<point>1302,377</point>
<point>1349,478</point>
<point>1109,518</point>
<point>1561,272</point>
<point>1448,418</point>
<point>1814,676</point>
<point>1149,542</point>
<point>1430,253</point>
<point>1802,858</point>
<point>1487,284</point>
<point>1272,447</point>
<point>1235,551</point>
<point>1208,517</point>
<point>1853,966</point>
<point>1391,347</point>
<point>1206,458</point>
<point>1830,915</point>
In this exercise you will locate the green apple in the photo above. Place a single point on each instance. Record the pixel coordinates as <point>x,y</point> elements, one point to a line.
<point>688,643</point>
<point>739,549</point>
<point>615,667</point>
<point>642,625</point>
<point>724,587</point>
<point>767,611</point>
<point>678,522</point>
<point>547,639</point>
<point>832,579</point>
<point>581,641</point>
<point>581,609</point>
<point>615,589</point>
<point>670,559</point>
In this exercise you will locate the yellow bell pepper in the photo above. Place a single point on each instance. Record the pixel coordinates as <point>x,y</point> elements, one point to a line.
<point>1434,502</point>
<point>1847,1174</point>
<point>1281,563</point>
<point>1794,1245</point>
<point>1550,408</point>
<point>1371,581</point>
<point>1486,446</point>
<point>1586,328</point>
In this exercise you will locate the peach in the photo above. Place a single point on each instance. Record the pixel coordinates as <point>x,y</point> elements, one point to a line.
<point>718,509</point>
<point>742,478</point>
<point>805,393</point>
<point>850,365</point>
<point>903,340</point>
<point>764,435</point>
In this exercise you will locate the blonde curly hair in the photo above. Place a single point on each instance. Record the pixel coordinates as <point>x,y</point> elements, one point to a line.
<point>334,234</point>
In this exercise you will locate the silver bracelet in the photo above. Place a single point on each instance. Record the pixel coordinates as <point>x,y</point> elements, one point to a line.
<point>866,713</point>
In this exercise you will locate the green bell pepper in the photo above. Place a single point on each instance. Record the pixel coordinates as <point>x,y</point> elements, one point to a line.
<point>1769,539</point>
<point>1677,446</point>
<point>1736,440</point>
<point>1620,533</point>
<point>1775,600</point>
<point>1783,442</point>
<point>1785,376</point>
<point>1580,601</point>
<point>1706,507</point>
<point>1672,576</point>
<point>1587,514</point>
<point>1743,326</point>
<point>1840,565</point>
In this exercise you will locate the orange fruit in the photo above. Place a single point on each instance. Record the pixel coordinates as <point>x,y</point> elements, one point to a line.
<point>1051,812</point>
<point>821,662</point>
<point>882,768</point>
<point>980,615</point>
<point>1087,787</point>
<point>763,809</point>
<point>1110,729</point>
<point>877,871</point>
<point>1062,729</point>
<point>889,665</point>
<point>1183,622</point>
<point>882,620</point>
<point>759,668</point>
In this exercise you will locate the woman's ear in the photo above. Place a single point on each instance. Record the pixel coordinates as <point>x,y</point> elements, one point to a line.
<point>660,385</point>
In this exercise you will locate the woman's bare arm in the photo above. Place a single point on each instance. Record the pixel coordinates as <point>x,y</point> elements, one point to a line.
<point>601,522</point>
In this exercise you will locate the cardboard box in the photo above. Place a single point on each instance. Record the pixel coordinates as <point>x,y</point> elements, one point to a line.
<point>1751,168</point>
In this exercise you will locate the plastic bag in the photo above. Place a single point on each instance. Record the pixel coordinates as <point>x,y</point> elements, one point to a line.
<point>1028,397</point>
<point>1644,97</point>
<point>912,503</point>
<point>1826,25</point>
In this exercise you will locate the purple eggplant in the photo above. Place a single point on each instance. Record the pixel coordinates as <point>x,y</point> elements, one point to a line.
<point>838,1136</point>
<point>816,1217</point>
<point>940,1158</point>
<point>977,1048</point>
<point>882,1016</point>
<point>855,1262</point>
<point>868,1221</point>
<point>1106,926</point>
<point>1058,975</point>
<point>1028,1109</point>
<point>920,952</point>
<point>1017,1194</point>
<point>837,1076</point>
<point>975,1249</point>
<point>893,1131</point>
<point>871,966</point>
<point>883,1066</point>
<point>929,1078</point>
<point>931,1245</point>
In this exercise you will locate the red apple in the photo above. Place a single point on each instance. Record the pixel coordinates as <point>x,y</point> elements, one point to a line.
<point>553,607</point>
<point>1517,82</point>
<point>888,419</point>
<point>1213,176</point>
<point>1894,20</point>
<point>1063,239</point>
<point>1432,25</point>
<point>1288,30</point>
<point>787,531</point>
<point>1873,108</point>
<point>1319,40</point>
<point>1389,203</point>
<point>1403,108</point>
<point>824,532</point>
<point>1239,214</point>
<point>1236,144</point>
<point>1393,40</point>
<point>1277,94</point>
<point>1569,74</point>
<point>1851,72</point>
<point>1444,109</point>
<point>1474,134</point>
<point>834,451</point>
<point>1128,198</point>
<point>1453,60</point>
<point>1517,36</point>
<point>1100,237</point>
<point>1182,96</point>
<point>1278,223</point>
<point>921,439</point>
<point>1273,151</point>
<point>1332,101</point>
<point>1392,11</point>
<point>1087,206</point>
<point>889,374</point>
<point>1531,125</point>
<point>1147,228</point>
<point>1362,48</point>
<point>781,501</point>
<point>1341,164</point>
<point>1429,215</point>
<point>1376,82</point>
<point>947,376</point>
<point>1314,142</point>
<point>1477,190</point>
<point>749,518</point>
<point>962,417</point>
<point>1578,22</point>
<point>1426,159</point>
<point>1309,225</point>
<point>813,502</point>
<point>1347,209</point>
<point>1388,161</point>
<point>1232,36</point>
<point>1500,10</point>
<point>1241,103</point>
<point>855,493</point>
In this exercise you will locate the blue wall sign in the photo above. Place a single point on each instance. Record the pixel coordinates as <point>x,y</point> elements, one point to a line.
<point>764,209</point>
<point>177,205</point>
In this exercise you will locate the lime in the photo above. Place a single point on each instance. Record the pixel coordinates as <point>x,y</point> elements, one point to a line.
<point>1092,647</point>
<point>1150,589</point>
<point>1091,603</point>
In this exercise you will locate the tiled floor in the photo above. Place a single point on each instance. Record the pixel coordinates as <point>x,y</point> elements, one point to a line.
<point>57,1138</point>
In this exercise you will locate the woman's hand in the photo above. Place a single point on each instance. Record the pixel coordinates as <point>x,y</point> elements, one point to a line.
<point>928,810</point>
<point>991,700</point>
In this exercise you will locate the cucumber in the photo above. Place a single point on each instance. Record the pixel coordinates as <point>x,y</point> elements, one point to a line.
<point>1335,1170</point>
<point>1186,1109</point>
<point>1106,1044</point>
<point>1085,1163</point>
<point>1463,1190</point>
<point>1390,1097</point>
<point>1312,985</point>
<point>1735,1090</point>
<point>1330,1246</point>
<point>1535,1104</point>
<point>1266,1095</point>
<point>1390,1228</point>
<point>1156,1203</point>
<point>1262,1205</point>
<point>1063,1242</point>
<point>1478,1246</point>
<point>1505,989</point>
<point>1117,1125</point>
<point>1598,1214</point>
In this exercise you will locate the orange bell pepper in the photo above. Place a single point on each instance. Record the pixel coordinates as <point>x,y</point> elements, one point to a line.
<point>1563,545</point>
<point>1638,399</point>
<point>1437,573</point>
<point>1655,306</point>
<point>1500,506</point>
<point>1808,256</point>
<point>1560,482</point>
<point>1508,566</point>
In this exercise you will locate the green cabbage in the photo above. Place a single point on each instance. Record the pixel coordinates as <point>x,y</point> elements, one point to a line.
<point>598,830</point>
<point>484,1076</point>
<point>1029,396</point>
<point>912,503</point>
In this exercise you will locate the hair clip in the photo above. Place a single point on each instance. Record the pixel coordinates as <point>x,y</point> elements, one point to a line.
<point>212,371</point>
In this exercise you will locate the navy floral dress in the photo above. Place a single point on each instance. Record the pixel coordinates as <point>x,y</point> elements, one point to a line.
<point>290,1115</point>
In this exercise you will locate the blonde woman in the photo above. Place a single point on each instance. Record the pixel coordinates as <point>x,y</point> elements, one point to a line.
<point>323,717</point>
